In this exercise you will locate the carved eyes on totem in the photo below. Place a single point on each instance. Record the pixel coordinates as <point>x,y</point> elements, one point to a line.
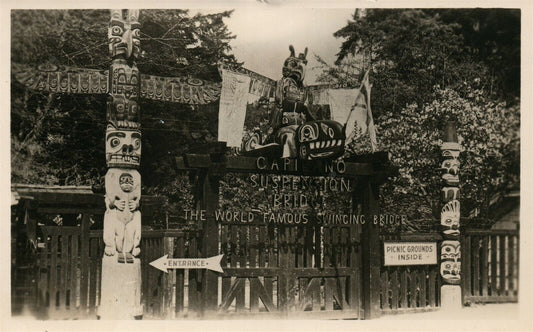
<point>136,144</point>
<point>114,142</point>
<point>117,31</point>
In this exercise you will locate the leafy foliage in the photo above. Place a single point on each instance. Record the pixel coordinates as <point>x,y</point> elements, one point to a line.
<point>59,138</point>
<point>488,132</point>
<point>428,67</point>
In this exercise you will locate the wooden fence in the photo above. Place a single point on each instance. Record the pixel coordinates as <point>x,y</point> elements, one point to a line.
<point>410,288</point>
<point>69,273</point>
<point>280,269</point>
<point>270,269</point>
<point>490,262</point>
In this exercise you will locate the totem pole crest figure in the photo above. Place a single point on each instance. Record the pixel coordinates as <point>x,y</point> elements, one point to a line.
<point>122,219</point>
<point>450,257</point>
<point>122,82</point>
<point>123,140</point>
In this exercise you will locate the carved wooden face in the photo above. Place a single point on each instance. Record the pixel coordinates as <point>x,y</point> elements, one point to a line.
<point>294,67</point>
<point>123,147</point>
<point>449,218</point>
<point>126,182</point>
<point>124,36</point>
<point>450,266</point>
<point>122,112</point>
<point>450,167</point>
<point>125,80</point>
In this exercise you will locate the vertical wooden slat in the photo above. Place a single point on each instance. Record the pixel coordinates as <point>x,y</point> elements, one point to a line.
<point>385,289</point>
<point>302,252</point>
<point>243,260</point>
<point>511,264</point>
<point>74,268</point>
<point>262,246</point>
<point>517,265</point>
<point>403,288</point>
<point>308,246</point>
<point>433,275</point>
<point>193,278</point>
<point>475,266</point>
<point>254,297</point>
<point>283,253</point>
<point>63,268</point>
<point>355,278</point>
<point>254,242</point>
<point>328,250</point>
<point>493,266</point>
<point>268,282</point>
<point>484,273</point>
<point>169,280</point>
<point>234,243</point>
<point>303,300</point>
<point>395,287</point>
<point>290,232</point>
<point>180,282</point>
<point>466,266</point>
<point>43,270</point>
<point>502,247</point>
<point>330,288</point>
<point>422,286</point>
<point>413,283</point>
<point>92,277</point>
<point>53,271</point>
<point>84,263</point>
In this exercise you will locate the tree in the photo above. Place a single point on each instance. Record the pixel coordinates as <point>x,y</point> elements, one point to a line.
<point>410,52</point>
<point>59,139</point>
<point>488,132</point>
<point>428,67</point>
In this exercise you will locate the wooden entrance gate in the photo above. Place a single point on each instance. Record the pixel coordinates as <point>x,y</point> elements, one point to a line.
<point>291,269</point>
<point>315,270</point>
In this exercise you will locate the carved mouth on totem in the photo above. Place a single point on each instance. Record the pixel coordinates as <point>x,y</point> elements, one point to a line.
<point>317,149</point>
<point>116,158</point>
<point>453,279</point>
<point>451,179</point>
<point>453,232</point>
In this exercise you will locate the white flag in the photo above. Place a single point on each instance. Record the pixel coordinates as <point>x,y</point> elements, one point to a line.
<point>232,111</point>
<point>361,115</point>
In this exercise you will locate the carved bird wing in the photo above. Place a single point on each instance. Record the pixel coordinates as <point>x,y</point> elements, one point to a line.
<point>53,78</point>
<point>186,90</point>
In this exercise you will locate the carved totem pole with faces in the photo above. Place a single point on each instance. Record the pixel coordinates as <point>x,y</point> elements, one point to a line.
<point>450,257</point>
<point>122,219</point>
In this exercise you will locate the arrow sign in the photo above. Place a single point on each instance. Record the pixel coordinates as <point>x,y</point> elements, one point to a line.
<point>164,263</point>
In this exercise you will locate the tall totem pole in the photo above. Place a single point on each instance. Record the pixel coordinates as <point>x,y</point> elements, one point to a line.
<point>450,263</point>
<point>122,219</point>
<point>124,85</point>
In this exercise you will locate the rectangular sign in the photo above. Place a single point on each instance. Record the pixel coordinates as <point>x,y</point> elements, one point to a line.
<point>410,253</point>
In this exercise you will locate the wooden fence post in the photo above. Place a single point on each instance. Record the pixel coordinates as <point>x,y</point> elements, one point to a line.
<point>371,251</point>
<point>169,280</point>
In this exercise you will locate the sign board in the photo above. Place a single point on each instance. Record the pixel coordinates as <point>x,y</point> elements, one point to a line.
<point>410,253</point>
<point>164,263</point>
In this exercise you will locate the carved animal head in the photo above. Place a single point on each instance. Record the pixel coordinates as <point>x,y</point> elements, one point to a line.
<point>294,67</point>
<point>450,266</point>
<point>124,34</point>
<point>449,218</point>
<point>123,147</point>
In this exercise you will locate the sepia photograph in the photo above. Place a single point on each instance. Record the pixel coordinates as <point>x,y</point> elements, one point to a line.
<point>262,161</point>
